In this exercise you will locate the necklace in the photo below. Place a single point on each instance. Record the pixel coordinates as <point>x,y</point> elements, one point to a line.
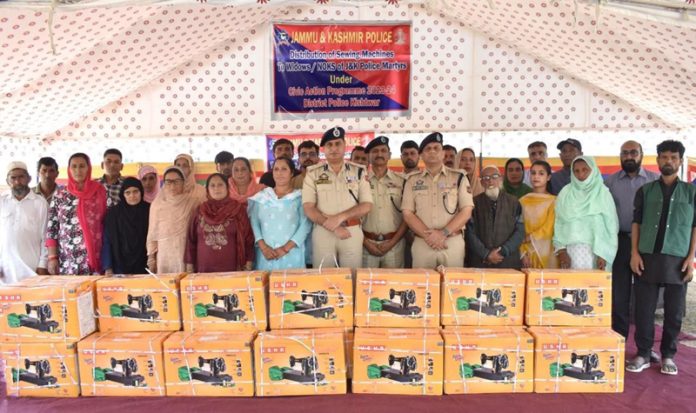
<point>280,193</point>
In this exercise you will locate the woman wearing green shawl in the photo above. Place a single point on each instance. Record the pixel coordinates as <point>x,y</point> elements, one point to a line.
<point>514,177</point>
<point>587,227</point>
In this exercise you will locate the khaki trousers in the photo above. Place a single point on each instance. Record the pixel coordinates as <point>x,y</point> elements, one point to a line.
<point>327,248</point>
<point>392,259</point>
<point>426,257</point>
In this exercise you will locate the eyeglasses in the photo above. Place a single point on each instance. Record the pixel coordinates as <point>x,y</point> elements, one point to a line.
<point>172,182</point>
<point>632,152</point>
<point>308,155</point>
<point>490,177</point>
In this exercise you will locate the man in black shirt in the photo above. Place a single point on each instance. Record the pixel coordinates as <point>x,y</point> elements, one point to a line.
<point>663,243</point>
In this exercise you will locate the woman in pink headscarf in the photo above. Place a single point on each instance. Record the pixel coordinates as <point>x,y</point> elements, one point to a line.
<point>185,163</point>
<point>76,222</point>
<point>169,223</point>
<point>151,184</point>
<point>242,183</point>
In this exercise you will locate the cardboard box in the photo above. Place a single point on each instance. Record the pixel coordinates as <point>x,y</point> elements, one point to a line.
<point>397,298</point>
<point>207,363</point>
<point>348,341</point>
<point>48,309</point>
<point>299,362</point>
<point>398,361</point>
<point>122,364</point>
<point>139,303</point>
<point>568,298</point>
<point>482,297</point>
<point>488,360</point>
<point>233,301</point>
<point>40,369</point>
<point>578,360</point>
<point>348,336</point>
<point>311,298</point>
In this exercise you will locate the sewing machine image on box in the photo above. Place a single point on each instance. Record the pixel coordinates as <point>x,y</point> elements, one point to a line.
<point>208,371</point>
<point>312,304</point>
<point>301,370</point>
<point>399,369</point>
<point>138,307</point>
<point>491,368</point>
<point>36,317</point>
<point>486,302</point>
<point>580,367</point>
<point>121,371</point>
<point>571,301</point>
<point>223,306</point>
<point>399,302</point>
<point>34,372</point>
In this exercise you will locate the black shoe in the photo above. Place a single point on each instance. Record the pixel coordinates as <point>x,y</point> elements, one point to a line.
<point>654,357</point>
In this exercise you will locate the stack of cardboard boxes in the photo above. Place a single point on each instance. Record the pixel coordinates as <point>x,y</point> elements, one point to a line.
<point>306,332</point>
<point>487,349</point>
<point>221,313</point>
<point>397,347</point>
<point>41,320</point>
<point>569,315</point>
<point>136,313</point>
<point>311,318</point>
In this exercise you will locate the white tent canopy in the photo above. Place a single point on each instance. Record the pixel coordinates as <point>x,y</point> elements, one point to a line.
<point>152,71</point>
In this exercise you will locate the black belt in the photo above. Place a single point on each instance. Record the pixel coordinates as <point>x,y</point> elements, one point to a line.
<point>625,234</point>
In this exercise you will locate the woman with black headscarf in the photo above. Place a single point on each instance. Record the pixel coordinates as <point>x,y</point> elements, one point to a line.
<point>125,234</point>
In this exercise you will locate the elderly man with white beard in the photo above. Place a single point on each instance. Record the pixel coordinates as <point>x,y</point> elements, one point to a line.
<point>496,230</point>
<point>23,218</point>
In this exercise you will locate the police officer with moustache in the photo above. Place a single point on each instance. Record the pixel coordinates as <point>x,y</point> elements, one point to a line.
<point>437,204</point>
<point>335,196</point>
<point>409,159</point>
<point>384,226</point>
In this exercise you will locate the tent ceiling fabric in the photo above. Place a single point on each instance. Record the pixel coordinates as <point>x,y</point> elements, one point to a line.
<point>650,64</point>
<point>152,70</point>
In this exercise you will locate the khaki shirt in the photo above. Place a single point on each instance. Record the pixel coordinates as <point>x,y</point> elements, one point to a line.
<point>334,193</point>
<point>385,215</point>
<point>297,181</point>
<point>436,199</point>
<point>37,190</point>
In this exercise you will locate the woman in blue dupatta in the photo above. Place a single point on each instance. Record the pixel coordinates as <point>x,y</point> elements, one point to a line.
<point>279,223</point>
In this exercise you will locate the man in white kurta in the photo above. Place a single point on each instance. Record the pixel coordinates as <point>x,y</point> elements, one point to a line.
<point>23,217</point>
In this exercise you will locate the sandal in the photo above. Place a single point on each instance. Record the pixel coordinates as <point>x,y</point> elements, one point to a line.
<point>654,357</point>
<point>668,367</point>
<point>638,364</point>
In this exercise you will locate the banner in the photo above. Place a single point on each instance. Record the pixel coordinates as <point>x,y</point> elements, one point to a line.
<point>349,69</point>
<point>691,171</point>
<point>353,139</point>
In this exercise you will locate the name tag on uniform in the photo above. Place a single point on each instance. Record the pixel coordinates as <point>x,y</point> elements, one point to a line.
<point>419,186</point>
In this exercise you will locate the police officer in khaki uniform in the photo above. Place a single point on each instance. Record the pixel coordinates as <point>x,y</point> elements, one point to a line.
<point>410,157</point>
<point>437,204</point>
<point>335,196</point>
<point>384,226</point>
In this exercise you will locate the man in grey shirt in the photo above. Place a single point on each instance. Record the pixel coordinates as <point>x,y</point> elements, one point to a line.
<point>623,186</point>
<point>570,149</point>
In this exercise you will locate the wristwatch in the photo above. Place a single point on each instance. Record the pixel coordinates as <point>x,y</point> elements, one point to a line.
<point>446,232</point>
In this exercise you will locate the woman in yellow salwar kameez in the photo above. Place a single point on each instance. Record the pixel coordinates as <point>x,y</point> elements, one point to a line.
<point>539,216</point>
